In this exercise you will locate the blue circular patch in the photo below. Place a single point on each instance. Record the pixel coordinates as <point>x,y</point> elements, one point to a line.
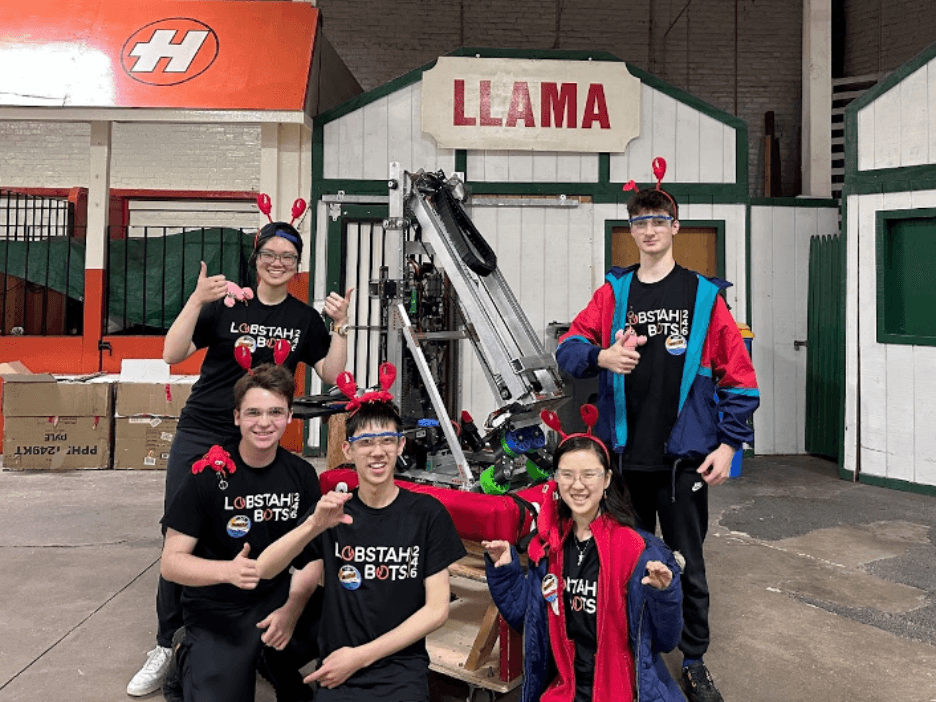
<point>676,344</point>
<point>349,577</point>
<point>238,526</point>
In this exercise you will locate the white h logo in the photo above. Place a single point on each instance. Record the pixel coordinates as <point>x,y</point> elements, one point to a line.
<point>180,55</point>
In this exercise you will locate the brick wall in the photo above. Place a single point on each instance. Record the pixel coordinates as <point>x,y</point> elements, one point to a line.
<point>44,154</point>
<point>880,36</point>
<point>185,156</point>
<point>691,45</point>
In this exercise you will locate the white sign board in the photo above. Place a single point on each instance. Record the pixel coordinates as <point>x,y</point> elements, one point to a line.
<point>532,105</point>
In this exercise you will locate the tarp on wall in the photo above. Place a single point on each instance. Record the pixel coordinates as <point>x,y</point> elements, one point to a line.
<point>149,278</point>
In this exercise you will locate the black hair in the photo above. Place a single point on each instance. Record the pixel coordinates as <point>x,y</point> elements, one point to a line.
<point>649,200</point>
<point>281,229</point>
<point>616,500</point>
<point>275,379</point>
<point>373,414</point>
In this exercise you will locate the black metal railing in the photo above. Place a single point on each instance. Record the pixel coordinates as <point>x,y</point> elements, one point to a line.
<point>153,270</point>
<point>42,266</point>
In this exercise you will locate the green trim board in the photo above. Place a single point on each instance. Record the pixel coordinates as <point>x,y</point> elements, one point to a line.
<point>717,224</point>
<point>890,180</point>
<point>886,304</point>
<point>895,484</point>
<point>817,202</point>
<point>869,96</point>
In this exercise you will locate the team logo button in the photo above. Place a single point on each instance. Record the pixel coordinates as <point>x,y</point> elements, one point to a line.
<point>169,51</point>
<point>238,526</point>
<point>349,577</point>
<point>676,344</point>
<point>550,590</point>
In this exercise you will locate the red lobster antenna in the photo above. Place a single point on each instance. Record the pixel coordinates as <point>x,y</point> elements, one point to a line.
<point>347,385</point>
<point>659,170</point>
<point>244,357</point>
<point>589,416</point>
<point>299,206</point>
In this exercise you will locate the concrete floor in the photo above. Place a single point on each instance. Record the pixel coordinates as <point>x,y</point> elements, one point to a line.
<point>821,589</point>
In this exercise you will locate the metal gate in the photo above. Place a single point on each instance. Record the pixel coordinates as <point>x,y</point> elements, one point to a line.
<point>825,359</point>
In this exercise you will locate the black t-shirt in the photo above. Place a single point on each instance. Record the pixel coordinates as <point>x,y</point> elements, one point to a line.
<point>662,311</point>
<point>580,598</point>
<point>258,506</point>
<point>210,407</point>
<point>374,573</point>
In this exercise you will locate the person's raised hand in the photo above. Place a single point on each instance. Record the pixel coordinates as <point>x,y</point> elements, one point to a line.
<point>658,575</point>
<point>622,356</point>
<point>336,306</point>
<point>498,551</point>
<point>243,570</point>
<point>209,288</point>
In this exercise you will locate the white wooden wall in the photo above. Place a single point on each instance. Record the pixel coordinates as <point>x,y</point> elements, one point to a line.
<point>779,294</point>
<point>890,388</point>
<point>697,148</point>
<point>899,127</point>
<point>361,144</point>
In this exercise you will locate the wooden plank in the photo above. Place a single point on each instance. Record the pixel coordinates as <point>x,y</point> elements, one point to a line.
<point>730,159</point>
<point>376,153</point>
<point>806,226</point>
<point>557,244</point>
<point>784,330</point>
<point>640,150</point>
<point>711,150</point>
<point>399,128</point>
<point>484,642</point>
<point>531,290</point>
<point>519,166</point>
<point>664,134</point>
<point>850,446</point>
<point>901,408</point>
<point>569,167</point>
<point>545,165</point>
<point>914,127</point>
<point>887,129</point>
<point>761,323</point>
<point>931,110</point>
<point>449,645</point>
<point>685,169</point>
<point>351,145</point>
<point>331,158</point>
<point>476,162</point>
<point>866,137</point>
<point>873,411</point>
<point>924,415</point>
<point>424,148</point>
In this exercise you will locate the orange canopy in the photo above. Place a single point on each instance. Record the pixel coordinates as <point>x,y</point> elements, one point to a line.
<point>179,54</point>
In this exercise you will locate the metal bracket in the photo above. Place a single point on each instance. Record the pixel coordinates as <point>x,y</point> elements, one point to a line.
<point>797,344</point>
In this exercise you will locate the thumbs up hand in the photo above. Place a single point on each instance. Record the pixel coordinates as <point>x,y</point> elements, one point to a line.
<point>209,287</point>
<point>243,570</point>
<point>622,356</point>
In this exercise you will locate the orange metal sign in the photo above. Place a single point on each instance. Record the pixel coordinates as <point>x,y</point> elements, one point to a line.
<point>188,54</point>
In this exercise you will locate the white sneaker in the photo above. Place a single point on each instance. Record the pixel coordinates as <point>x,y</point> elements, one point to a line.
<point>150,676</point>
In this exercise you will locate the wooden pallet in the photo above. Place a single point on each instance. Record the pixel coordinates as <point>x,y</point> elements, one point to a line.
<point>475,645</point>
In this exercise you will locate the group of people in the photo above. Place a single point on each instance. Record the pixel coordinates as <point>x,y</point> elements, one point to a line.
<point>263,573</point>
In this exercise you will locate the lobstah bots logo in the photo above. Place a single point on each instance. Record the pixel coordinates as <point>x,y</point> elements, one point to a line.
<point>169,51</point>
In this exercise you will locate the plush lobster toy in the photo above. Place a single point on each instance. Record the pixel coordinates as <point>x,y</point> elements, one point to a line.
<point>219,461</point>
<point>236,294</point>
<point>346,383</point>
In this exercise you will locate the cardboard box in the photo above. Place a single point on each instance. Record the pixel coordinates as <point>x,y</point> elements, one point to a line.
<point>56,443</point>
<point>143,443</point>
<point>153,399</point>
<point>57,423</point>
<point>44,395</point>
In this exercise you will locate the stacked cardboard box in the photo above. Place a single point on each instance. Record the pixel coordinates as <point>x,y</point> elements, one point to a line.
<point>56,423</point>
<point>145,421</point>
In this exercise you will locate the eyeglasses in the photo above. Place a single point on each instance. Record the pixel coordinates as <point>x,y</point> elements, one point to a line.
<point>273,413</point>
<point>586,477</point>
<point>288,260</point>
<point>368,441</point>
<point>646,221</point>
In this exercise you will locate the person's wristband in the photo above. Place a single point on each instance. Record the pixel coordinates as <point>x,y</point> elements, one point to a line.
<point>342,330</point>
